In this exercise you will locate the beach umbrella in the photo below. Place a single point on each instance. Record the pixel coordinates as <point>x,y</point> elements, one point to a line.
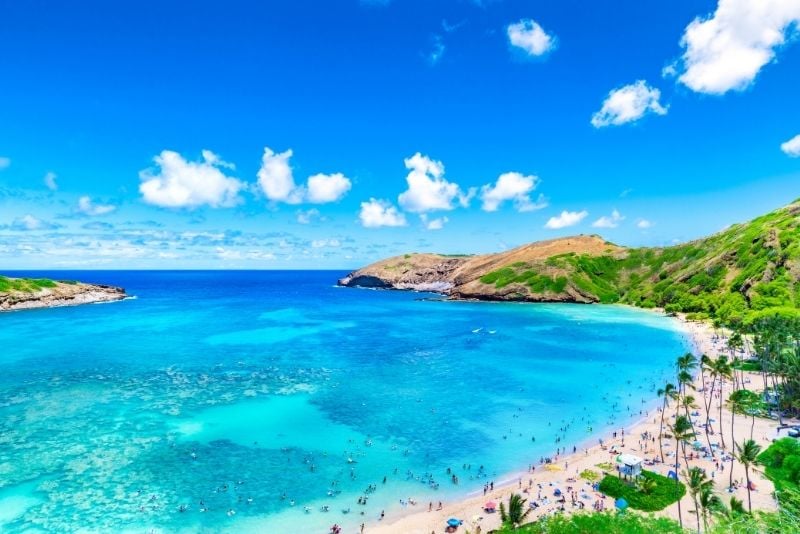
<point>491,505</point>
<point>621,503</point>
<point>453,522</point>
<point>673,475</point>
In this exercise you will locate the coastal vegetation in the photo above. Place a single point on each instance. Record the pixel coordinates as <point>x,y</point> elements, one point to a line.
<point>24,285</point>
<point>781,461</point>
<point>605,522</point>
<point>650,493</point>
<point>733,520</point>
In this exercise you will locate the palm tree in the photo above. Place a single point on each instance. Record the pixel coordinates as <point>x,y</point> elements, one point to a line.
<point>707,397</point>
<point>667,392</point>
<point>688,403</point>
<point>735,405</point>
<point>748,452</point>
<point>745,402</point>
<point>685,365</point>
<point>687,362</point>
<point>698,483</point>
<point>737,506</point>
<point>736,343</point>
<point>705,364</point>
<point>682,432</point>
<point>710,503</point>
<point>516,513</point>
<point>722,370</point>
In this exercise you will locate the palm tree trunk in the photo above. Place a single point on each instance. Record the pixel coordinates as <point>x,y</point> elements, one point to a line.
<point>747,477</point>
<point>661,428</point>
<point>708,413</point>
<point>721,434</point>
<point>677,445</point>
<point>696,512</point>
<point>733,455</point>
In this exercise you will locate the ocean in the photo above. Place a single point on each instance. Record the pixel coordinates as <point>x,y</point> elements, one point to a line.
<point>270,401</point>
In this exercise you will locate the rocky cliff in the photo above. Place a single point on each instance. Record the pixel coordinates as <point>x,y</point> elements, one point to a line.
<point>27,293</point>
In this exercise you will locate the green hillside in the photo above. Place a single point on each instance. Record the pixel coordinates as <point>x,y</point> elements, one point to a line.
<point>24,285</point>
<point>733,275</point>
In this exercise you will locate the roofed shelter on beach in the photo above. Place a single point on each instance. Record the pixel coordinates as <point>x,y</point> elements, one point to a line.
<point>629,465</point>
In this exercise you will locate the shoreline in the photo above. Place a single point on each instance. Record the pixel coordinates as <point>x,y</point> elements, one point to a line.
<point>701,339</point>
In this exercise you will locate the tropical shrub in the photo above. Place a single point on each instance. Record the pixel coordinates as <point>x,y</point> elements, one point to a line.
<point>663,491</point>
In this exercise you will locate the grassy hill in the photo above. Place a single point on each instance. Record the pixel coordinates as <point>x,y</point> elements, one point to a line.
<point>732,275</point>
<point>746,270</point>
<point>24,285</point>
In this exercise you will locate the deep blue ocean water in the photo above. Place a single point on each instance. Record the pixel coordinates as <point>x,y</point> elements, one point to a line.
<point>274,394</point>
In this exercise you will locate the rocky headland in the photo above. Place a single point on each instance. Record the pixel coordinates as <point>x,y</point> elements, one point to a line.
<point>30,293</point>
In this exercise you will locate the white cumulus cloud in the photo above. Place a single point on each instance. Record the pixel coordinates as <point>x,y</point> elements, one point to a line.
<point>644,224</point>
<point>50,181</point>
<point>324,188</point>
<point>513,186</point>
<point>428,190</point>
<point>4,163</point>
<point>528,35</point>
<point>376,213</point>
<point>726,50</point>
<point>627,104</point>
<point>178,183</point>
<point>87,207</point>
<point>276,179</point>
<point>609,221</point>
<point>792,147</point>
<point>566,219</point>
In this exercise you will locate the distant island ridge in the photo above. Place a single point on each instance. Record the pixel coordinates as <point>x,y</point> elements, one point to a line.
<point>743,272</point>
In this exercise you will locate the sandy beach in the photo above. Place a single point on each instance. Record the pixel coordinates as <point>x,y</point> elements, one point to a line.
<point>564,473</point>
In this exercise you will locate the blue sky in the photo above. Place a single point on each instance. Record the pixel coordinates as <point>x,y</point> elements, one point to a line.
<point>152,135</point>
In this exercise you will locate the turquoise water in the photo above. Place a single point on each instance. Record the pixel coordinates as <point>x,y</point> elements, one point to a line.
<point>273,394</point>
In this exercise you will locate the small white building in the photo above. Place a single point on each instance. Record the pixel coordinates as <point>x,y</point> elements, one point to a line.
<point>629,465</point>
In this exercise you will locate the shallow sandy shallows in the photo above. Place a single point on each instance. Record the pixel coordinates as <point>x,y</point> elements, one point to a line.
<point>470,510</point>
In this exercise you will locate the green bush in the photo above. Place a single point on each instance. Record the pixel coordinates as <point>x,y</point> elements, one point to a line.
<point>665,492</point>
<point>600,522</point>
<point>782,463</point>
